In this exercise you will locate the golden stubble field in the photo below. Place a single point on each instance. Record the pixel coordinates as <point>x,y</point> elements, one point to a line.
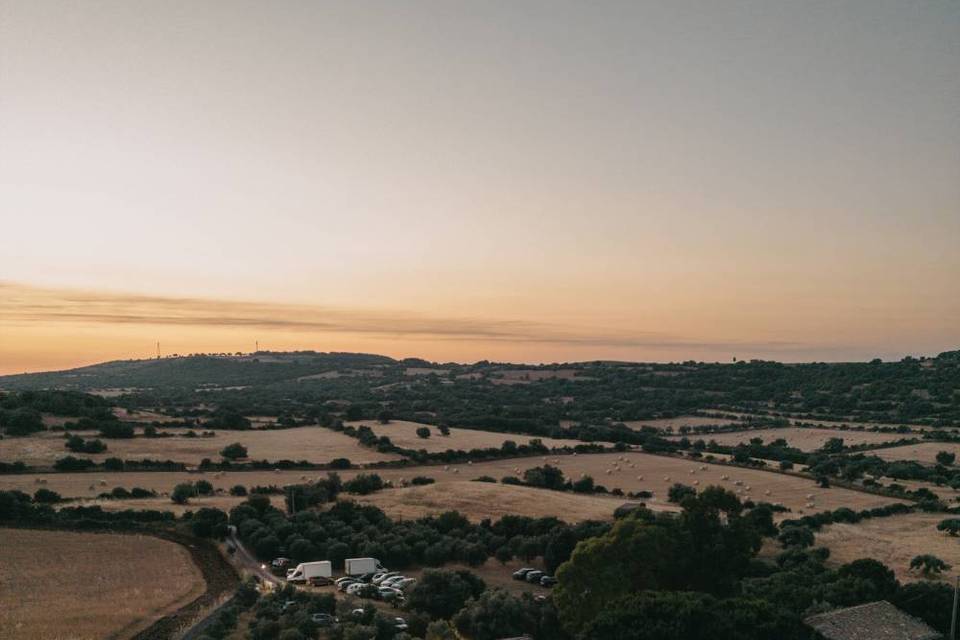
<point>479,500</point>
<point>56,585</point>
<point>676,423</point>
<point>314,444</point>
<point>894,541</point>
<point>805,439</point>
<point>924,452</point>
<point>631,471</point>
<point>404,434</point>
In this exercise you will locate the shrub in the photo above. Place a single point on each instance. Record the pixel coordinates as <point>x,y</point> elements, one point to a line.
<point>423,432</point>
<point>679,491</point>
<point>422,480</point>
<point>238,490</point>
<point>364,484</point>
<point>182,493</point>
<point>234,451</point>
<point>116,430</point>
<point>46,496</point>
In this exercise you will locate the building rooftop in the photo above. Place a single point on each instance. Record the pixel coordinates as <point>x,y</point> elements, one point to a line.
<point>873,621</point>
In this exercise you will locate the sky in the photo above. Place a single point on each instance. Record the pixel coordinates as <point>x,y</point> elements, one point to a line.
<point>536,181</point>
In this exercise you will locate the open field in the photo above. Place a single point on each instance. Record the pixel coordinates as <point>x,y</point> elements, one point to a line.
<point>141,416</point>
<point>838,424</point>
<point>222,502</point>
<point>924,452</point>
<point>805,439</point>
<point>56,584</point>
<point>314,444</point>
<point>404,434</point>
<point>676,423</point>
<point>637,471</point>
<point>894,541</point>
<point>479,500</point>
<point>525,376</point>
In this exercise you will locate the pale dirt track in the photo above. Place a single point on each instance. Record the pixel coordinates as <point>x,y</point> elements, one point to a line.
<point>56,585</point>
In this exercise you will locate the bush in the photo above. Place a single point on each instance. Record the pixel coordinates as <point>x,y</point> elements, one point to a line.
<point>238,490</point>
<point>485,479</point>
<point>46,496</point>
<point>423,432</point>
<point>116,430</point>
<point>234,451</point>
<point>794,536</point>
<point>364,484</point>
<point>679,491</point>
<point>422,480</point>
<point>340,463</point>
<point>950,525</point>
<point>182,493</point>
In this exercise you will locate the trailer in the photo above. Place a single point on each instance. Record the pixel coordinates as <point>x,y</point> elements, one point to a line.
<point>309,570</point>
<point>360,566</point>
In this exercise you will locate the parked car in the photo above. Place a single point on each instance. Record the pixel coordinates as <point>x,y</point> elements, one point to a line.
<point>548,581</point>
<point>389,594</point>
<point>400,624</point>
<point>380,577</point>
<point>344,579</point>
<point>389,582</point>
<point>346,584</point>
<point>367,577</point>
<point>280,563</point>
<point>319,581</point>
<point>533,577</point>
<point>521,574</point>
<point>353,588</point>
<point>323,619</point>
<point>404,584</point>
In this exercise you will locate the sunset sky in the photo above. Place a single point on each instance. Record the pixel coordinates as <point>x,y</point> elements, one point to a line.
<point>516,180</point>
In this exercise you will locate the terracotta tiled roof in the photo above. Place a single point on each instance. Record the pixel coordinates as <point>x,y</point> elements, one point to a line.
<point>873,621</point>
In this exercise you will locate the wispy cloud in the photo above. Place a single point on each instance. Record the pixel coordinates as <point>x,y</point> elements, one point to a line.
<point>24,304</point>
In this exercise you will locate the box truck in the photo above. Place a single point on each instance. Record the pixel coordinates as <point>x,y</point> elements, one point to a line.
<point>307,570</point>
<point>360,566</point>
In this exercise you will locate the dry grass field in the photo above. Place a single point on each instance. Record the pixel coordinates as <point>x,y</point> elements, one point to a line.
<point>837,424</point>
<point>314,444</point>
<point>526,376</point>
<point>805,439</point>
<point>893,541</point>
<point>925,452</point>
<point>222,502</point>
<point>634,472</point>
<point>676,423</point>
<point>404,434</point>
<point>479,500</point>
<point>56,585</point>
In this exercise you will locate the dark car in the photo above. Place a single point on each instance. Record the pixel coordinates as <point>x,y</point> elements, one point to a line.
<point>533,577</point>
<point>548,581</point>
<point>323,619</point>
<point>521,574</point>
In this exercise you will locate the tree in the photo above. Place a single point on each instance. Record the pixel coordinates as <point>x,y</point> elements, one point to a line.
<point>384,416</point>
<point>182,493</point>
<point>547,476</point>
<point>444,429</point>
<point>708,548</point>
<point>928,565</point>
<point>498,614</point>
<point>21,422</point>
<point>238,490</point>
<point>441,593</point>
<point>234,451</point>
<point>832,445</point>
<point>423,432</point>
<point>46,496</point>
<point>440,630</point>
<point>679,491</point>
<point>950,525</point>
<point>946,458</point>
<point>796,536</point>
